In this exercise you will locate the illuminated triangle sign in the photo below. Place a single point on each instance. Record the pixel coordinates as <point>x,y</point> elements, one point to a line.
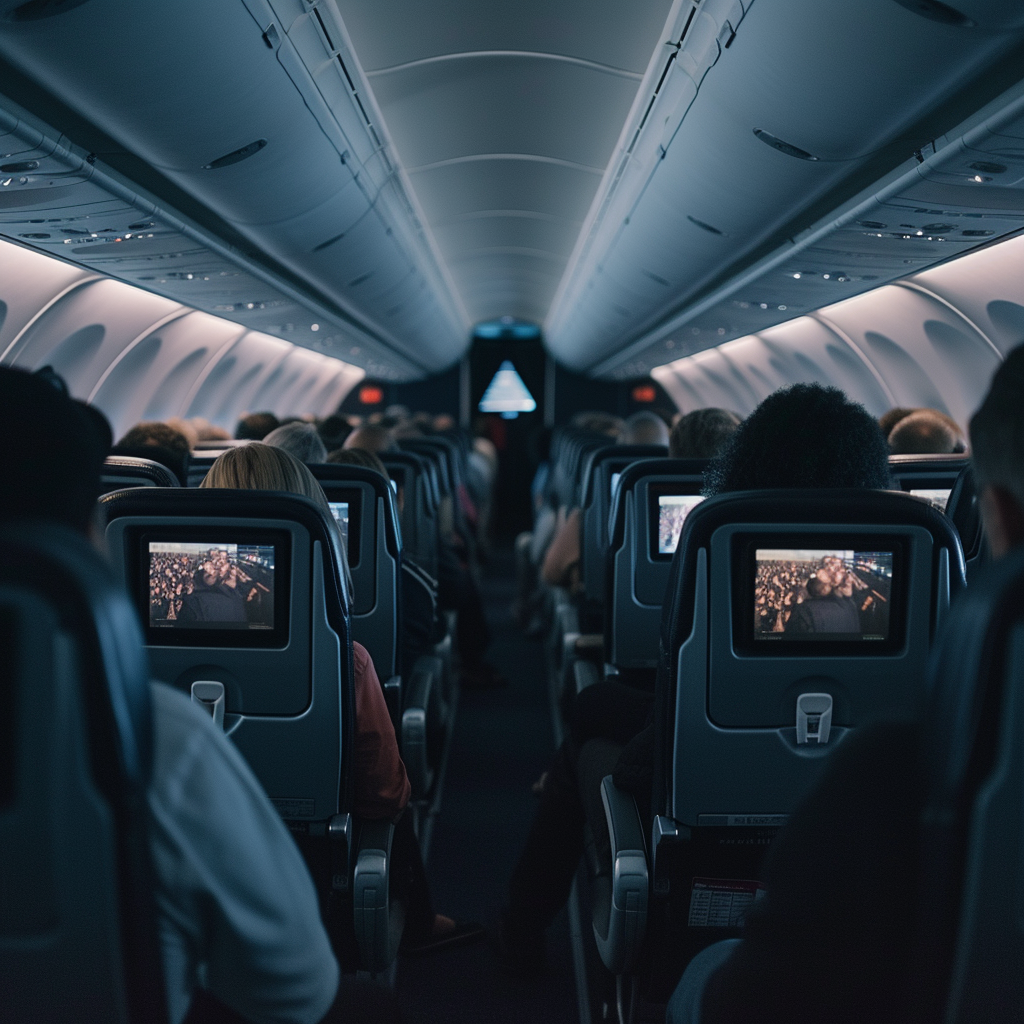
<point>507,393</point>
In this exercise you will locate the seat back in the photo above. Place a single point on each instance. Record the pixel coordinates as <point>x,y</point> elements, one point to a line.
<point>931,477</point>
<point>601,472</point>
<point>120,471</point>
<point>415,482</point>
<point>969,939</point>
<point>78,935</point>
<point>278,641</point>
<point>963,509</point>
<point>766,669</point>
<point>364,507</point>
<point>652,500</point>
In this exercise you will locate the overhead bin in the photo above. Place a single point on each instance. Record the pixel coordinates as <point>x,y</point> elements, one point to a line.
<point>763,114</point>
<point>258,112</point>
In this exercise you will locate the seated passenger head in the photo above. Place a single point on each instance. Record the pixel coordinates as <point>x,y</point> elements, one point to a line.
<point>702,434</point>
<point>997,451</point>
<point>644,427</point>
<point>333,430</point>
<point>299,439</point>
<point>263,467</point>
<point>255,426</point>
<point>598,423</point>
<point>925,432</point>
<point>53,452</point>
<point>207,431</point>
<point>889,419</point>
<point>156,435</point>
<point>371,437</point>
<point>806,435</point>
<point>818,587</point>
<point>358,457</point>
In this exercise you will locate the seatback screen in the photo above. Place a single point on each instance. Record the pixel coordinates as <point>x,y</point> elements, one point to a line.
<point>672,512</point>
<point>822,594</point>
<point>200,585</point>
<point>935,496</point>
<point>339,509</point>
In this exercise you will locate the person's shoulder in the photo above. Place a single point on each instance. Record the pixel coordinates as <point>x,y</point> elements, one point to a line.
<point>360,657</point>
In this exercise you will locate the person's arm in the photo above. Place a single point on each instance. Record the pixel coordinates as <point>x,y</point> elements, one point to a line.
<point>563,552</point>
<point>382,786</point>
<point>238,911</point>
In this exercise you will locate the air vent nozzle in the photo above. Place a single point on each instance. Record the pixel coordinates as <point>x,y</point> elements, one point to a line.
<point>935,10</point>
<point>783,147</point>
<point>236,156</point>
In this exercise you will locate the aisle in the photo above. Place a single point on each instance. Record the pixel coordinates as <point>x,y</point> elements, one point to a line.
<point>503,741</point>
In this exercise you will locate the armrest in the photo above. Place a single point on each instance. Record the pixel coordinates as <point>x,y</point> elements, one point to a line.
<point>378,924</point>
<point>423,685</point>
<point>621,920</point>
<point>585,673</point>
<point>393,698</point>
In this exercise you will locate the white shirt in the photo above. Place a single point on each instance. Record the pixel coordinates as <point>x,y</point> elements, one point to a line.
<point>237,908</point>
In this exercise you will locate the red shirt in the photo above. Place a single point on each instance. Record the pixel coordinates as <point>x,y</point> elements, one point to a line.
<point>382,786</point>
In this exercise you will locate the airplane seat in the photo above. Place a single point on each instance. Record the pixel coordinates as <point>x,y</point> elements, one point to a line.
<point>419,512</point>
<point>120,471</point>
<point>969,934</point>
<point>274,668</point>
<point>652,501</point>
<point>601,469</point>
<point>364,507</point>
<point>199,464</point>
<point>762,675</point>
<point>962,507</point>
<point>78,929</point>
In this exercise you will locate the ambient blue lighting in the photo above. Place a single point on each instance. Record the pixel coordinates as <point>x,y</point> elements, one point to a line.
<point>507,328</point>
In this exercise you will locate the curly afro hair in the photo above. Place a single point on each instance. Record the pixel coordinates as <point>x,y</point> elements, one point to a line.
<point>803,436</point>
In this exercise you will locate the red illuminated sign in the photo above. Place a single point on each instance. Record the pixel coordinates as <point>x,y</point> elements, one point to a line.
<point>371,395</point>
<point>644,393</point>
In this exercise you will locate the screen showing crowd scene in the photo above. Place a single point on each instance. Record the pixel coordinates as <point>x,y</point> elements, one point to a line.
<point>204,585</point>
<point>935,496</point>
<point>672,512</point>
<point>822,595</point>
<point>339,509</point>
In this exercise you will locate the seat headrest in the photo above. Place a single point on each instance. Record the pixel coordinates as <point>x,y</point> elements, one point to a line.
<point>194,502</point>
<point>857,506</point>
<point>62,566</point>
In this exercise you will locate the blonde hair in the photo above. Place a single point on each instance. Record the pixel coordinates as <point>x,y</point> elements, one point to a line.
<point>262,467</point>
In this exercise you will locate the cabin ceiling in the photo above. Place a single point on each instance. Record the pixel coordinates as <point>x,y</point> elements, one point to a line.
<point>369,179</point>
<point>505,117</point>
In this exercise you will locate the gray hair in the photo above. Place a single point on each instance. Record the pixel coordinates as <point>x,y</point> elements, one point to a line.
<point>300,440</point>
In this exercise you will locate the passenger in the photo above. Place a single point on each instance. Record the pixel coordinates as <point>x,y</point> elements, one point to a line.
<point>701,434</point>
<point>254,426</point>
<point>235,902</point>
<point>457,589</point>
<point>382,788</point>
<point>834,933</point>
<point>187,428</point>
<point>561,565</point>
<point>206,431</point>
<point>423,625</point>
<point>333,430</point>
<point>298,439</point>
<point>159,443</point>
<point>803,436</point>
<point>924,432</point>
<point>889,419</point>
<point>371,437</point>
